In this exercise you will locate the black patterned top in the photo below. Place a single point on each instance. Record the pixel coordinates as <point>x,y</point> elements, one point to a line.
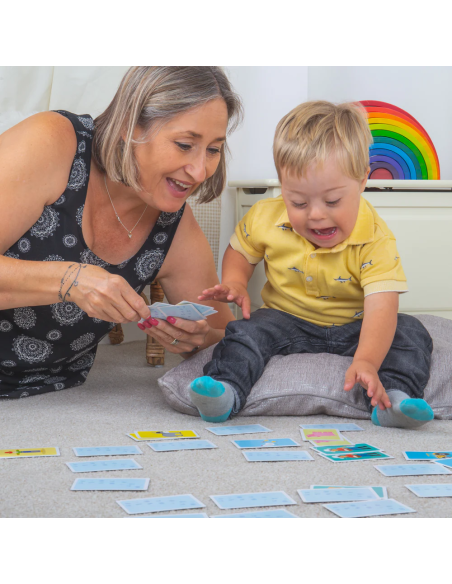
<point>48,348</point>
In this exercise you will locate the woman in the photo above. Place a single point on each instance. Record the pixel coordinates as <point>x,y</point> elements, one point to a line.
<point>77,252</point>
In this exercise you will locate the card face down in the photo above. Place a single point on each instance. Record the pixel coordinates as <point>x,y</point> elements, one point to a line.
<point>181,445</point>
<point>275,456</point>
<point>441,490</point>
<point>336,495</point>
<point>244,429</point>
<point>400,470</point>
<point>269,514</point>
<point>381,492</point>
<point>155,504</point>
<point>110,485</point>
<point>98,465</point>
<point>368,508</point>
<point>244,500</point>
<point>269,443</point>
<point>106,450</point>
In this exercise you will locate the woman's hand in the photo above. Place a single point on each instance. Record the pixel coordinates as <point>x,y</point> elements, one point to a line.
<point>189,334</point>
<point>229,292</point>
<point>104,295</point>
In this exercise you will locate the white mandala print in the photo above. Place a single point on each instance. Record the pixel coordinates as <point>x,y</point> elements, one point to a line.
<point>86,134</point>
<point>67,313</point>
<point>123,265</point>
<point>69,240</point>
<point>56,369</point>
<point>5,326</point>
<point>78,176</point>
<point>34,370</point>
<point>59,360</point>
<point>31,350</point>
<point>61,200</point>
<point>75,357</point>
<point>98,320</point>
<point>46,225</point>
<point>82,363</point>
<point>83,341</point>
<point>169,218</point>
<point>54,335</point>
<point>8,363</point>
<point>88,257</point>
<point>112,325</point>
<point>7,372</point>
<point>160,238</point>
<point>59,386</point>
<point>25,317</point>
<point>26,394</point>
<point>82,146</point>
<point>53,258</point>
<point>52,380</point>
<point>33,378</point>
<point>24,245</point>
<point>79,215</point>
<point>148,263</point>
<point>84,374</point>
<point>87,122</point>
<point>10,254</point>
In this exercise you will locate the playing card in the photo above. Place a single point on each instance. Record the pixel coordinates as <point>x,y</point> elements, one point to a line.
<point>447,462</point>
<point>336,495</point>
<point>431,490</point>
<point>350,457</point>
<point>186,311</point>
<point>269,443</point>
<point>339,427</point>
<point>343,442</point>
<point>203,309</point>
<point>229,430</point>
<point>399,470</point>
<point>382,492</point>
<point>269,499</point>
<point>106,450</point>
<point>110,485</point>
<point>322,434</point>
<point>155,504</point>
<point>276,456</point>
<point>270,514</point>
<point>343,449</point>
<point>368,508</point>
<point>182,445</point>
<point>427,455</point>
<point>174,516</point>
<point>97,465</point>
<point>29,452</point>
<point>140,435</point>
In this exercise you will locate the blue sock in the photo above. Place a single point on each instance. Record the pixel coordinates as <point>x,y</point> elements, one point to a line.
<point>406,412</point>
<point>214,399</point>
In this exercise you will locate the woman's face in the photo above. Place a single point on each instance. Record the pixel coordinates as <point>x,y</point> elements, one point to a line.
<point>184,153</point>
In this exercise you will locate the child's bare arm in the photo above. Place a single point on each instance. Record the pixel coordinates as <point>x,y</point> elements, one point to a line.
<point>377,335</point>
<point>236,273</point>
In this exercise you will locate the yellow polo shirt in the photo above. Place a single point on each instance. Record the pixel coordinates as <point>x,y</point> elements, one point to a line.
<point>325,286</point>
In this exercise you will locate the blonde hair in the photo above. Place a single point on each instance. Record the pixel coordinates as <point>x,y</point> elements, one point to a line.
<point>314,130</point>
<point>148,97</point>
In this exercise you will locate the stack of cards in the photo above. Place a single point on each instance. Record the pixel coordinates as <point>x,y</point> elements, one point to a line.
<point>323,437</point>
<point>185,309</point>
<point>351,452</point>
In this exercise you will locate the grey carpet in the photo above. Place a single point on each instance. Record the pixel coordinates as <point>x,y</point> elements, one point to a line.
<point>121,395</point>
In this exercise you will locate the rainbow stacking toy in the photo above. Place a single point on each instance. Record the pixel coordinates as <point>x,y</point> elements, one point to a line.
<point>402,149</point>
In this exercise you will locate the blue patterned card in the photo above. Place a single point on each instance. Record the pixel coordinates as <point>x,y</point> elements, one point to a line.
<point>336,495</point>
<point>368,508</point>
<point>96,465</point>
<point>244,500</point>
<point>181,445</point>
<point>270,514</point>
<point>155,504</point>
<point>106,450</point>
<point>340,427</point>
<point>268,443</point>
<point>381,492</point>
<point>174,516</point>
<point>229,430</point>
<point>401,470</point>
<point>431,490</point>
<point>276,456</point>
<point>110,485</point>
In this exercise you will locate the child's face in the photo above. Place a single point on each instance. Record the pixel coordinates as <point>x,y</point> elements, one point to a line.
<point>323,204</point>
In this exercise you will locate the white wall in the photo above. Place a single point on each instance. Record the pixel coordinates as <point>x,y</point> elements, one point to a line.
<point>424,92</point>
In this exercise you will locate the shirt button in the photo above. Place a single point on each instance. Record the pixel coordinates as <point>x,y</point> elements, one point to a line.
<point>309,279</point>
<point>313,255</point>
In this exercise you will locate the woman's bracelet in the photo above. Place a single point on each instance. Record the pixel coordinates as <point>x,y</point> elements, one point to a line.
<point>65,278</point>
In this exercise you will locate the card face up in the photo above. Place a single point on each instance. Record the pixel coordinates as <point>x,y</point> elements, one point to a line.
<point>155,504</point>
<point>381,492</point>
<point>447,462</point>
<point>276,456</point>
<point>431,490</point>
<point>339,427</point>
<point>269,499</point>
<point>183,445</point>
<point>350,457</point>
<point>333,495</point>
<point>400,470</point>
<point>139,435</point>
<point>276,442</point>
<point>270,514</point>
<point>229,430</point>
<point>106,450</point>
<point>353,448</point>
<point>110,485</point>
<point>422,455</point>
<point>368,508</point>
<point>29,452</point>
<point>96,465</point>
<point>321,434</point>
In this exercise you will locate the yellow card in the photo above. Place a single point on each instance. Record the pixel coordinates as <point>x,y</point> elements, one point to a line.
<point>321,434</point>
<point>29,452</point>
<point>162,434</point>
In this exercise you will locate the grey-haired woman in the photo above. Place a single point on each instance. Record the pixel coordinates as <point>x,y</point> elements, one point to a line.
<point>92,211</point>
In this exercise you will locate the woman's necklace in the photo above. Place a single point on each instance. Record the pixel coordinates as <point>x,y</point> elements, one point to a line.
<point>117,216</point>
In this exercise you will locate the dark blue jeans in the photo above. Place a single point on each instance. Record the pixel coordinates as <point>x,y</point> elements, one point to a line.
<point>248,345</point>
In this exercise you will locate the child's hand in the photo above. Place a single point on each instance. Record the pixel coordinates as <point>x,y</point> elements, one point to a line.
<point>365,374</point>
<point>229,292</point>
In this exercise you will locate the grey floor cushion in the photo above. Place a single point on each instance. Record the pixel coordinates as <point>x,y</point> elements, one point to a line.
<point>302,385</point>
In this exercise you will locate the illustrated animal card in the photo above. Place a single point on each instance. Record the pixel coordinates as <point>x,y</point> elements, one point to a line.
<point>98,465</point>
<point>230,430</point>
<point>320,434</point>
<point>337,495</point>
<point>368,508</point>
<point>110,485</point>
<point>155,504</point>
<point>341,449</point>
<point>269,514</point>
<point>269,443</point>
<point>381,492</point>
<point>141,435</point>
<point>244,500</point>
<point>355,456</point>
<point>29,452</point>
<point>106,450</point>
<point>430,491</point>
<point>276,456</point>
<point>405,470</point>
<point>182,445</point>
<point>447,462</point>
<point>339,427</point>
<point>427,455</point>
